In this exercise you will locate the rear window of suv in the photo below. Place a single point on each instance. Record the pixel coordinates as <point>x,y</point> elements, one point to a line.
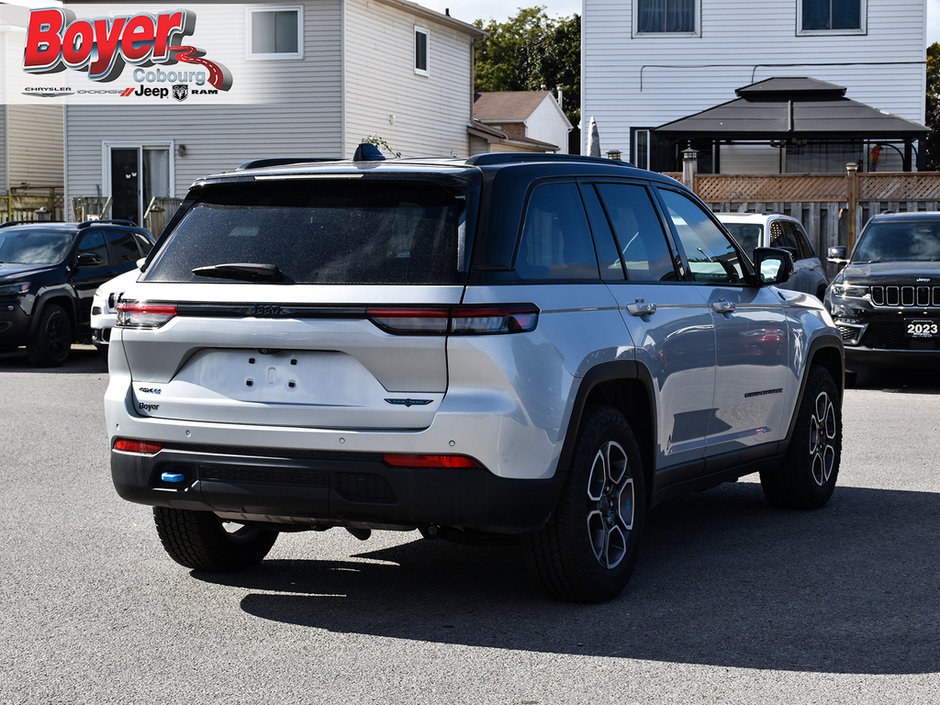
<point>314,231</point>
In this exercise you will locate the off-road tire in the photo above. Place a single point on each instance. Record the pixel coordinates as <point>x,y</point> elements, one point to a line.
<point>51,343</point>
<point>807,476</point>
<point>588,549</point>
<point>200,541</point>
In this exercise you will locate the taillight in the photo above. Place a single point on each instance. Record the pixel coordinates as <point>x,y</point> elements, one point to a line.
<point>129,445</point>
<point>411,321</point>
<point>482,320</point>
<point>140,315</point>
<point>404,460</point>
<point>457,320</point>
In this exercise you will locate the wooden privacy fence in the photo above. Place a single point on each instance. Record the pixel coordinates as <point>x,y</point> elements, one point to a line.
<point>822,201</point>
<point>32,204</point>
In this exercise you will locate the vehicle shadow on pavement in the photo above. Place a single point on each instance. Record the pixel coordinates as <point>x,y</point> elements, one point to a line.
<point>724,580</point>
<point>897,380</point>
<point>82,360</point>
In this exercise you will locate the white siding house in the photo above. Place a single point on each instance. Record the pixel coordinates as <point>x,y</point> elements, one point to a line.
<point>530,120</point>
<point>355,70</point>
<point>646,63</point>
<point>31,136</point>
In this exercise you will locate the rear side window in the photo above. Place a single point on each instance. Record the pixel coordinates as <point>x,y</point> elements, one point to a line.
<point>321,232</point>
<point>782,236</point>
<point>123,247</point>
<point>556,240</point>
<point>143,243</point>
<point>639,233</point>
<point>802,241</point>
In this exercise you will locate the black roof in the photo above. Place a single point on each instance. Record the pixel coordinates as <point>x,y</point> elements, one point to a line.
<point>778,108</point>
<point>550,164</point>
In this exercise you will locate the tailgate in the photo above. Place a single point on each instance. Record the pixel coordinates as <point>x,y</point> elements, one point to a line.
<point>319,364</point>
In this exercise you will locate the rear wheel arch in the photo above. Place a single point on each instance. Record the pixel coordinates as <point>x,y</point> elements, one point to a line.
<point>627,387</point>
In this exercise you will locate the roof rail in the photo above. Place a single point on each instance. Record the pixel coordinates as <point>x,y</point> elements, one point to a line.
<point>280,161</point>
<point>20,222</point>
<point>107,221</point>
<point>521,157</point>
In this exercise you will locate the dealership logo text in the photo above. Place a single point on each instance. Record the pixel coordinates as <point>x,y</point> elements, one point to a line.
<point>55,40</point>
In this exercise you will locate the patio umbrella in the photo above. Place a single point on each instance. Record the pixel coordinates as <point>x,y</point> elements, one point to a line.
<point>594,140</point>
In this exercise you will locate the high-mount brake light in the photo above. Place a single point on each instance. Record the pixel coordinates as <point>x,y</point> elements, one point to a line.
<point>404,460</point>
<point>129,445</point>
<point>470,319</point>
<point>132,314</point>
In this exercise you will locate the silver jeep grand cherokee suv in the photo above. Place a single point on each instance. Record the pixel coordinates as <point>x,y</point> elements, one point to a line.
<point>541,347</point>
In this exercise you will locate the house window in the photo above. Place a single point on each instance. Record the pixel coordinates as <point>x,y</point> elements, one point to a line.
<point>422,37</point>
<point>657,16</point>
<point>640,154</point>
<point>275,33</point>
<point>843,16</point>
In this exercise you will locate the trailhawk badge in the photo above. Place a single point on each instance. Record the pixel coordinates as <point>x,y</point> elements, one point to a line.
<point>180,91</point>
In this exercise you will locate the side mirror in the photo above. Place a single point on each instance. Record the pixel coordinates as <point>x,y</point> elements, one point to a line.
<point>774,265</point>
<point>88,259</point>
<point>837,255</point>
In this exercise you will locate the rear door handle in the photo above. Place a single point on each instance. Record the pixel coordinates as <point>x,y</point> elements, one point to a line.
<point>723,306</point>
<point>641,308</point>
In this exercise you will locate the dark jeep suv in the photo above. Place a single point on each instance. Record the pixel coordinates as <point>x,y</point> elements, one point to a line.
<point>48,276</point>
<point>886,300</point>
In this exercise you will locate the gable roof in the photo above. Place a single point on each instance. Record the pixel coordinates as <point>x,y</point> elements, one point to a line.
<point>507,106</point>
<point>789,107</point>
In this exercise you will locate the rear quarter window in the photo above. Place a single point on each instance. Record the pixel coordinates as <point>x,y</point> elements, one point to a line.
<point>321,232</point>
<point>556,241</point>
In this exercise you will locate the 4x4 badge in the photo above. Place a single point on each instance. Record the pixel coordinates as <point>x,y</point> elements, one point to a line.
<point>409,402</point>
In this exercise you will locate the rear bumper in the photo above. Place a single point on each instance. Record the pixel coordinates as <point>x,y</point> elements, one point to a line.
<point>351,488</point>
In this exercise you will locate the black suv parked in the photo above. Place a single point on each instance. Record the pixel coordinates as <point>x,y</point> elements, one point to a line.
<point>886,301</point>
<point>48,276</point>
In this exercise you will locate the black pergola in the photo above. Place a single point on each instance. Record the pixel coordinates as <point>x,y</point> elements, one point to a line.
<point>789,111</point>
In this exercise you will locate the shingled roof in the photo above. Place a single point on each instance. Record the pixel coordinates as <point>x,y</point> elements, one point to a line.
<point>507,106</point>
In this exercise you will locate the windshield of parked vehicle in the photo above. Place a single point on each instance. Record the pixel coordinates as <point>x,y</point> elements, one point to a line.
<point>748,235</point>
<point>338,231</point>
<point>31,246</point>
<point>899,241</point>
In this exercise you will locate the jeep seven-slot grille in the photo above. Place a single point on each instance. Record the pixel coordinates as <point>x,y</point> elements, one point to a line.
<point>905,295</point>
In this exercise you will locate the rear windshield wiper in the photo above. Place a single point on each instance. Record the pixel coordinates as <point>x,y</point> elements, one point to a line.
<point>245,271</point>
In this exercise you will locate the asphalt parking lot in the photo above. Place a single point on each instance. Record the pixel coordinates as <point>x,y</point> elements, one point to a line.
<point>733,601</point>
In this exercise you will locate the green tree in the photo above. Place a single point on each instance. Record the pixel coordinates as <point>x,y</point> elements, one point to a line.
<point>532,51</point>
<point>931,144</point>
